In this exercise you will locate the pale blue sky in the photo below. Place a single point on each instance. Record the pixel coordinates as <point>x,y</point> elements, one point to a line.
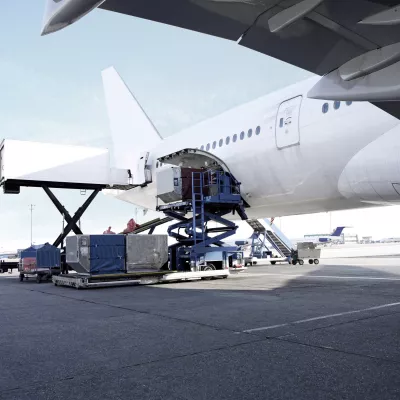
<point>51,91</point>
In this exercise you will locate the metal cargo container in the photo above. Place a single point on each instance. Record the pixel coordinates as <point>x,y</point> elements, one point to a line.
<point>175,184</point>
<point>96,254</point>
<point>169,185</point>
<point>308,250</point>
<point>146,252</point>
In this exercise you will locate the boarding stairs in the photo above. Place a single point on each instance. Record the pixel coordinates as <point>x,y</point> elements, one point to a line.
<point>262,234</point>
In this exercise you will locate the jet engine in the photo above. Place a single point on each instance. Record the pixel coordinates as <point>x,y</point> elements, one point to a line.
<point>61,13</point>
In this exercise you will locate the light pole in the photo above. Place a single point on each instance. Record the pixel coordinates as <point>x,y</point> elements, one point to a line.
<point>31,207</point>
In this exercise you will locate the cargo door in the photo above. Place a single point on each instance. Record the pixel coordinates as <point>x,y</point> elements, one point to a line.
<point>287,132</point>
<point>143,172</point>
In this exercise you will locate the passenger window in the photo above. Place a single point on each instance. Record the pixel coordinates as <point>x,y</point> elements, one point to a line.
<point>336,105</point>
<point>325,108</point>
<point>214,145</point>
<point>348,103</point>
<point>241,135</point>
<point>221,142</point>
<point>250,133</point>
<point>208,146</point>
<point>258,130</point>
<point>234,137</point>
<point>227,140</point>
<point>281,123</point>
<point>202,147</point>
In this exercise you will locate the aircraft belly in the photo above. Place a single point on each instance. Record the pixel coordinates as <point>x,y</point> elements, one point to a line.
<point>144,197</point>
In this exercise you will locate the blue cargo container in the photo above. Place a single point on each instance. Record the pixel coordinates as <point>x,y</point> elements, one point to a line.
<point>43,260</point>
<point>46,255</point>
<point>107,254</point>
<point>30,251</point>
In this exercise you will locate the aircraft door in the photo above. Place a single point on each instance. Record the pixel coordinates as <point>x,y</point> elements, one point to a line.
<point>143,173</point>
<point>287,131</point>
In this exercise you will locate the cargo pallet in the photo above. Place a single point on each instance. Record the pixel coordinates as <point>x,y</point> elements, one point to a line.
<point>81,281</point>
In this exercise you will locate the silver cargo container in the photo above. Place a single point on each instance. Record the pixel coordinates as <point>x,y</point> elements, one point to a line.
<point>78,253</point>
<point>169,184</point>
<point>308,250</point>
<point>146,252</point>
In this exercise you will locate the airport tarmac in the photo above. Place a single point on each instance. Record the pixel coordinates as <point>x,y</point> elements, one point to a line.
<point>329,331</point>
<point>360,250</point>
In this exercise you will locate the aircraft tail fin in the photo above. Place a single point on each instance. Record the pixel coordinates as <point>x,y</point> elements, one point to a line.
<point>132,131</point>
<point>338,231</point>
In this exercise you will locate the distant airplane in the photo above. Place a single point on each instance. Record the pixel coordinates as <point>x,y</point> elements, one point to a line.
<point>321,238</point>
<point>9,255</point>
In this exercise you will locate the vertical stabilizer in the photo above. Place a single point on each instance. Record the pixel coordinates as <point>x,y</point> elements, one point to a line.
<point>338,231</point>
<point>132,131</point>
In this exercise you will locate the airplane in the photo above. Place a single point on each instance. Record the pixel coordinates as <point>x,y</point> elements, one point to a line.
<point>292,154</point>
<point>315,146</point>
<point>322,239</point>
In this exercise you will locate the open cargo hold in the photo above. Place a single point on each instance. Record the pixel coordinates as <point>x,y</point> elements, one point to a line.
<point>175,184</point>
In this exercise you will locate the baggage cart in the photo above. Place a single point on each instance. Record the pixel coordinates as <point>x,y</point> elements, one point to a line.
<point>41,262</point>
<point>306,250</point>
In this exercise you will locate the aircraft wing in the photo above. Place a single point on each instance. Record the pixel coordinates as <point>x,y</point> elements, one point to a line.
<point>325,37</point>
<point>358,61</point>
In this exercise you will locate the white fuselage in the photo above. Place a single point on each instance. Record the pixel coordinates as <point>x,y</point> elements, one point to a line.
<point>303,160</point>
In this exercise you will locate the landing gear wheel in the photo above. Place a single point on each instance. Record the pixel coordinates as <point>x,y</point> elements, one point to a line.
<point>273,262</point>
<point>254,262</point>
<point>311,261</point>
<point>301,262</point>
<point>316,261</point>
<point>294,262</point>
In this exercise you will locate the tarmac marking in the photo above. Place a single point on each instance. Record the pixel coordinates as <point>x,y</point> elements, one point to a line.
<point>324,276</point>
<point>302,321</point>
